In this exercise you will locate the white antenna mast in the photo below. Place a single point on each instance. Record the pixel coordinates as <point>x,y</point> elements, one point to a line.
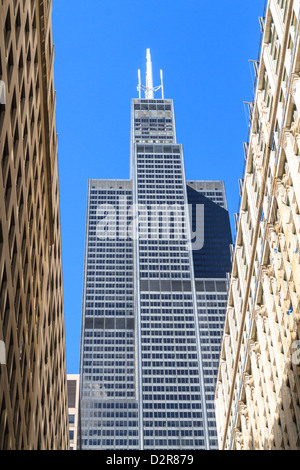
<point>149,77</point>
<point>139,85</point>
<point>162,85</point>
<point>149,89</point>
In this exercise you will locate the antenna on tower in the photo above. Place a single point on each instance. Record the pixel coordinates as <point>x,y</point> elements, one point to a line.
<point>149,77</point>
<point>149,89</point>
<point>139,85</point>
<point>162,84</point>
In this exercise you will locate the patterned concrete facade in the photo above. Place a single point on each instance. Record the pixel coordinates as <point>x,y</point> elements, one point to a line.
<point>258,388</point>
<point>33,381</point>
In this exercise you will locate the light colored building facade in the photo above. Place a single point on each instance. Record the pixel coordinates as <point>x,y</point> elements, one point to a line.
<point>258,388</point>
<point>153,308</point>
<point>33,381</point>
<point>73,383</point>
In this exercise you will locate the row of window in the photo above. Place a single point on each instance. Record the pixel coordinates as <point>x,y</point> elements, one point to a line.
<point>164,275</point>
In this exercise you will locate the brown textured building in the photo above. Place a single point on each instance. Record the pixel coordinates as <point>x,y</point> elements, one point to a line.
<point>33,381</point>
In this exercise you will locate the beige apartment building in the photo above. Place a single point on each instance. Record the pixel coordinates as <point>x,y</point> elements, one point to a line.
<point>258,386</point>
<point>33,381</point>
<point>73,381</point>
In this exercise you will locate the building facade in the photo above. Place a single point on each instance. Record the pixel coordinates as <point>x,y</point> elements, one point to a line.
<point>258,389</point>
<point>108,404</point>
<point>73,384</point>
<point>212,265</point>
<point>33,384</point>
<point>149,358</point>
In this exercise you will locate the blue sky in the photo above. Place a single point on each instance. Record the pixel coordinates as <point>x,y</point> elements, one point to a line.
<point>204,50</point>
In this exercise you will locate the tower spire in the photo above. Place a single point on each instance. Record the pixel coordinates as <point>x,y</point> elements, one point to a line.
<point>149,77</point>
<point>149,89</point>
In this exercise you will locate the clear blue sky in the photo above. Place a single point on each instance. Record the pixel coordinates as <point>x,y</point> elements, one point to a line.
<point>203,48</point>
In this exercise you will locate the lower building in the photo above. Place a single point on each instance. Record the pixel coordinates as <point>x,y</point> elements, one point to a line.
<point>73,411</point>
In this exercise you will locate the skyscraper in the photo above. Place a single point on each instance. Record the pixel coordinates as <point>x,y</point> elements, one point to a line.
<point>33,381</point>
<point>258,390</point>
<point>151,331</point>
